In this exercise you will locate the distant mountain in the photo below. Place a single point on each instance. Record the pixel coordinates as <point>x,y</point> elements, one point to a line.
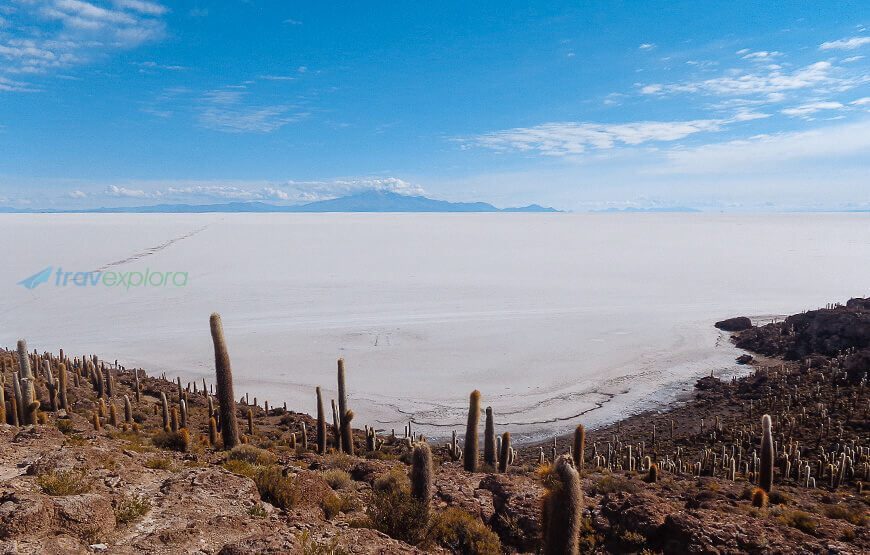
<point>366,201</point>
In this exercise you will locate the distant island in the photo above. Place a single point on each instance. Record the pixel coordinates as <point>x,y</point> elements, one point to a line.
<point>366,201</point>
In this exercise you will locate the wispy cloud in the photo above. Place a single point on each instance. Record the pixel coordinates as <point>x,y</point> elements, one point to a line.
<point>115,191</point>
<point>575,138</point>
<point>52,34</point>
<point>850,43</point>
<point>772,150</point>
<point>811,108</point>
<point>738,82</point>
<point>646,46</point>
<point>226,110</point>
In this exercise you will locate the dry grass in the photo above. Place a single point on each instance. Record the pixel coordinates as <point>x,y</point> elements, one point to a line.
<point>131,508</point>
<point>64,482</point>
<point>337,478</point>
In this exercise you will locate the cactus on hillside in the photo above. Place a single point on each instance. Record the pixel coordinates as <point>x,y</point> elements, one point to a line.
<point>51,385</point>
<point>563,506</point>
<point>250,422</point>
<point>421,473</point>
<point>765,480</point>
<point>128,410</point>
<point>579,449</point>
<point>489,454</point>
<point>471,452</point>
<point>321,424</point>
<point>62,385</point>
<point>164,403</point>
<point>224,381</point>
<point>505,457</point>
<point>336,429</point>
<point>29,406</point>
<point>183,408</point>
<point>212,431</point>
<point>345,415</point>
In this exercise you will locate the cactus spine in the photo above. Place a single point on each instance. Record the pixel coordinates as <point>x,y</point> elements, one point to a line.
<point>489,454</point>
<point>345,415</point>
<point>321,424</point>
<point>579,450</point>
<point>472,449</point>
<point>224,381</point>
<point>765,481</point>
<point>421,473</point>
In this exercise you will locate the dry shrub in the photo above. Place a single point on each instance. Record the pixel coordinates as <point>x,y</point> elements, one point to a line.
<point>130,508</point>
<point>800,520</point>
<point>333,504</point>
<point>337,478</point>
<point>394,511</point>
<point>64,482</point>
<point>252,455</point>
<point>460,532</point>
<point>275,487</point>
<point>173,441</point>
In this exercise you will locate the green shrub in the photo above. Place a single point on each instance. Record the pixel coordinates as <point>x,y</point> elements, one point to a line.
<point>252,455</point>
<point>461,532</point>
<point>64,482</point>
<point>337,479</point>
<point>257,511</point>
<point>128,509</point>
<point>275,488</point>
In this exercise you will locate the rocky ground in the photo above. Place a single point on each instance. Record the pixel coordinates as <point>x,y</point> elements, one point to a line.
<point>129,487</point>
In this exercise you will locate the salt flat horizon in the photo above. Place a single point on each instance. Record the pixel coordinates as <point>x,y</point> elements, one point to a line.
<point>557,319</point>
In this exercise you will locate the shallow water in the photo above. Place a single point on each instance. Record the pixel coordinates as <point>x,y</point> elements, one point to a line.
<point>556,318</point>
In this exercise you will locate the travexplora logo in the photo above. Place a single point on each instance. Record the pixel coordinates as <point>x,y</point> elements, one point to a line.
<point>102,278</point>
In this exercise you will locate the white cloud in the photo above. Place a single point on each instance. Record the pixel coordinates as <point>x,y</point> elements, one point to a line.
<point>115,191</point>
<point>646,46</point>
<point>771,151</point>
<point>52,34</point>
<point>851,59</point>
<point>861,101</point>
<point>773,81</point>
<point>77,194</point>
<point>811,108</point>
<point>761,56</point>
<point>845,44</point>
<point>9,85</point>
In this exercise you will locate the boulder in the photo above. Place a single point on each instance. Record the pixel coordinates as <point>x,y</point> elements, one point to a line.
<point>739,323</point>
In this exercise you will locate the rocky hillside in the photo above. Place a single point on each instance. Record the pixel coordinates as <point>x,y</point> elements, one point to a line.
<point>99,458</point>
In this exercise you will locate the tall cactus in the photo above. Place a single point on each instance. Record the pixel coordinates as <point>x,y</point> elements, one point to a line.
<point>336,428</point>
<point>29,405</point>
<point>563,506</point>
<point>471,453</point>
<point>421,473</point>
<point>489,455</point>
<point>579,450</point>
<point>164,405</point>
<point>765,481</point>
<point>224,381</point>
<point>504,458</point>
<point>51,384</point>
<point>345,415</point>
<point>321,424</point>
<point>128,410</point>
<point>62,384</point>
<point>2,401</point>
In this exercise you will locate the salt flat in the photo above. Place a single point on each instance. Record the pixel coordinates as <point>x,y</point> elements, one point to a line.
<point>550,315</point>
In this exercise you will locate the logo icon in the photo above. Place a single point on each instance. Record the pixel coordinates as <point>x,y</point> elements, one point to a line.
<point>39,277</point>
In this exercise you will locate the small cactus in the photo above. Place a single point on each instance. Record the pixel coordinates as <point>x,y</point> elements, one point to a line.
<point>113,414</point>
<point>579,450</point>
<point>505,457</point>
<point>250,422</point>
<point>489,454</point>
<point>224,380</point>
<point>173,421</point>
<point>472,449</point>
<point>96,421</point>
<point>128,410</point>
<point>653,473</point>
<point>421,473</point>
<point>62,379</point>
<point>563,506</point>
<point>212,432</point>
<point>759,498</point>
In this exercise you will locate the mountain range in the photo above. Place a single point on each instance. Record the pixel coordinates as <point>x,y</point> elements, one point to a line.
<point>365,201</point>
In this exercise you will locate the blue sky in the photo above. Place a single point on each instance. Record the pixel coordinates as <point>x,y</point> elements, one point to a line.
<point>581,105</point>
